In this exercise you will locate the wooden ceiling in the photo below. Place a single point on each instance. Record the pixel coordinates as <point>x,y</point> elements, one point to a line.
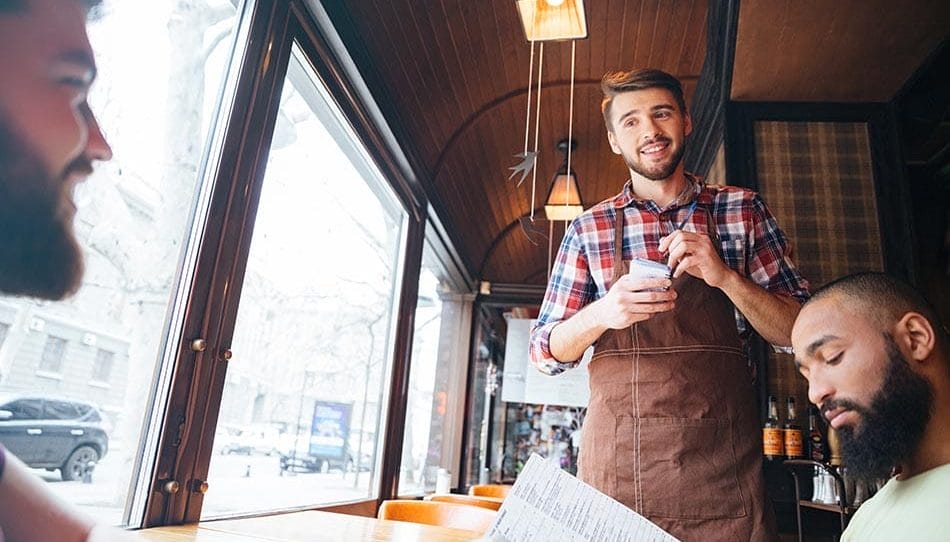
<point>451,76</point>
<point>833,51</point>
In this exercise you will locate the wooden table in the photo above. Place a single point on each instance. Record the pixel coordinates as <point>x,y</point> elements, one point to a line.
<point>310,526</point>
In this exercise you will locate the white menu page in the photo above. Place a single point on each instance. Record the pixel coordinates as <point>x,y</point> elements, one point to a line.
<point>547,503</point>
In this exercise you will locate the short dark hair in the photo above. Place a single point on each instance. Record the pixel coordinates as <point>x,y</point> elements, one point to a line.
<point>883,299</point>
<point>618,82</point>
<point>13,6</point>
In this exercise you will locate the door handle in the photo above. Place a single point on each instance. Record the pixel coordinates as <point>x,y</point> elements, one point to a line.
<point>77,432</point>
<point>34,431</point>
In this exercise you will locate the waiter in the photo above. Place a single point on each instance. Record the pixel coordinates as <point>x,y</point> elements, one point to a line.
<point>671,428</point>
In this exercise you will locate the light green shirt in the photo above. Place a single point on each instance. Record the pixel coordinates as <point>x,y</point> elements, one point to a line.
<point>915,509</point>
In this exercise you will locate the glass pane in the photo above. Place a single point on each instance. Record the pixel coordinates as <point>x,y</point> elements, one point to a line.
<point>430,420</point>
<point>304,393</point>
<point>160,68</point>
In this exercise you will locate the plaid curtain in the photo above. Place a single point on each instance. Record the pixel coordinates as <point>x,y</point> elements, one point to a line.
<point>816,177</point>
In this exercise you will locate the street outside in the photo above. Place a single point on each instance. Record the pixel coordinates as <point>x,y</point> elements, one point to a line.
<point>237,483</point>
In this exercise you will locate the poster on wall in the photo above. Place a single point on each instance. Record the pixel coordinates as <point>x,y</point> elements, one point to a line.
<point>329,429</point>
<point>522,383</point>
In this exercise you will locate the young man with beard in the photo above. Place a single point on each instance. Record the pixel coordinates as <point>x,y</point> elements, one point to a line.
<point>672,428</point>
<point>49,139</point>
<point>877,360</point>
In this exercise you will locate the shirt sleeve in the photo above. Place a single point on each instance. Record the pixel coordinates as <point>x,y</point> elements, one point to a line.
<point>569,290</point>
<point>770,256</point>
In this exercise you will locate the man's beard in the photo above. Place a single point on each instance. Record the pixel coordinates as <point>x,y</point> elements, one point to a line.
<point>39,254</point>
<point>891,429</point>
<point>660,172</point>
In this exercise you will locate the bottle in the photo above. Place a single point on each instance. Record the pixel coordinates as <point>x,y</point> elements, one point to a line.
<point>792,431</point>
<point>772,441</point>
<point>816,443</point>
<point>834,447</point>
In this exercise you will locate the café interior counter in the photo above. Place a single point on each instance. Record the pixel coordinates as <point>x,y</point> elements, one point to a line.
<point>310,525</point>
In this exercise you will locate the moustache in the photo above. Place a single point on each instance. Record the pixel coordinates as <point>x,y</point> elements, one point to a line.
<point>80,166</point>
<point>845,404</point>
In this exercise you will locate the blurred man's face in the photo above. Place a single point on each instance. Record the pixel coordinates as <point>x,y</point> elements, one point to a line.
<point>648,129</point>
<point>865,389</point>
<point>48,141</point>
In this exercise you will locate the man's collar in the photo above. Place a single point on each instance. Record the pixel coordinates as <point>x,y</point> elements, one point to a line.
<point>693,190</point>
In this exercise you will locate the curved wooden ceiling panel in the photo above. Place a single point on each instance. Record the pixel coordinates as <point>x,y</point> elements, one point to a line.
<point>452,74</point>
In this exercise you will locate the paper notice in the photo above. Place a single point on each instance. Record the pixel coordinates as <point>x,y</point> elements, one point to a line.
<point>547,503</point>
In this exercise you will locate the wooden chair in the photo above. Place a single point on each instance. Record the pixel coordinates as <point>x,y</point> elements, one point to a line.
<point>490,490</point>
<point>445,514</point>
<point>491,503</point>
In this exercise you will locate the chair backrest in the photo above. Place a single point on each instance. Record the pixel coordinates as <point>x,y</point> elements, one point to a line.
<point>445,514</point>
<point>491,503</point>
<point>490,490</point>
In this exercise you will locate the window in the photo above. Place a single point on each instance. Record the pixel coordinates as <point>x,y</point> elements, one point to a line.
<point>25,409</point>
<point>102,367</point>
<point>433,415</point>
<point>60,410</point>
<point>51,361</point>
<point>312,339</point>
<point>161,70</point>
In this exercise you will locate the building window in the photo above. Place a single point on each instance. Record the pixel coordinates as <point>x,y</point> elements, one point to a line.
<point>52,359</point>
<point>102,368</point>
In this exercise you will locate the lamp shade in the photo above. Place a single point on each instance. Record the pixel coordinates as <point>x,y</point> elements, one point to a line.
<point>547,20</point>
<point>564,199</point>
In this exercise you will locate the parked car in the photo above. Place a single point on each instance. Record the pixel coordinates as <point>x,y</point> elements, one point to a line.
<point>246,440</point>
<point>53,433</point>
<point>295,455</point>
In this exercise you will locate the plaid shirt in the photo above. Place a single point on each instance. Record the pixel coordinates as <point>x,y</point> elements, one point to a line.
<point>752,244</point>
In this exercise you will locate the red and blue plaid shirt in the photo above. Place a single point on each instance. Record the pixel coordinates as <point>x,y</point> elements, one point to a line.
<point>752,244</point>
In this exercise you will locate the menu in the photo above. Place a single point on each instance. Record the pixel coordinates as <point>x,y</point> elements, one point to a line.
<point>547,503</point>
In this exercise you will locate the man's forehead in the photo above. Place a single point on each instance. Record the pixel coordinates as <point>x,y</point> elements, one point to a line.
<point>817,318</point>
<point>647,97</point>
<point>48,18</point>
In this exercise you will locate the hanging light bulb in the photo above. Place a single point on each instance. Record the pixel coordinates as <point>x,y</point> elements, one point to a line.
<point>564,200</point>
<point>545,20</point>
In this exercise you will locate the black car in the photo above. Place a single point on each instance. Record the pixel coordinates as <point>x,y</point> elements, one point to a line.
<point>299,458</point>
<point>53,433</point>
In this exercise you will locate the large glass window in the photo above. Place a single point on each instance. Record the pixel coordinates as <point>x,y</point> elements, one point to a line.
<point>433,419</point>
<point>302,409</point>
<point>161,66</point>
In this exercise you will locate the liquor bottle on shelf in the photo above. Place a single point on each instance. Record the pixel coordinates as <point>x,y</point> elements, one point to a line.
<point>834,448</point>
<point>816,442</point>
<point>772,439</point>
<point>792,432</point>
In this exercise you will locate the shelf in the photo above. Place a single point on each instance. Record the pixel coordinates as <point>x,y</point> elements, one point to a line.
<point>848,510</point>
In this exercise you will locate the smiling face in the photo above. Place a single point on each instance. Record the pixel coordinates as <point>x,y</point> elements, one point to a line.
<point>648,129</point>
<point>49,139</point>
<point>860,380</point>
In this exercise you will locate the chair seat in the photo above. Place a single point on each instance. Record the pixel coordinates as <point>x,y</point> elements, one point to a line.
<point>491,503</point>
<point>445,514</point>
<point>490,490</point>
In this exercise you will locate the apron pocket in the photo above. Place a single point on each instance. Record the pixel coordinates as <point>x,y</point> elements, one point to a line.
<point>688,469</point>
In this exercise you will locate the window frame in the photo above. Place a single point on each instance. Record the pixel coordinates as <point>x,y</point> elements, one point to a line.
<point>209,314</point>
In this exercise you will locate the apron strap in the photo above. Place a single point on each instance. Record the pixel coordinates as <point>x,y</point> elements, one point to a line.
<point>618,243</point>
<point>713,232</point>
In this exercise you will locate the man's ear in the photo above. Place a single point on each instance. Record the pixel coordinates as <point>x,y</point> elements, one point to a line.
<point>612,139</point>
<point>915,333</point>
<point>687,123</point>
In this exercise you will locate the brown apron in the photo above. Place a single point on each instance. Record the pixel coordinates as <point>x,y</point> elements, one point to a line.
<point>671,429</point>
